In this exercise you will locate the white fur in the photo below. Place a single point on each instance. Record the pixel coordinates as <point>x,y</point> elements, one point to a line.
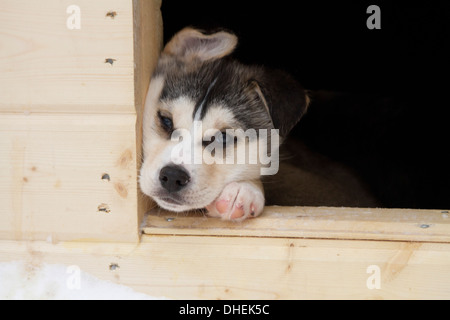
<point>208,182</point>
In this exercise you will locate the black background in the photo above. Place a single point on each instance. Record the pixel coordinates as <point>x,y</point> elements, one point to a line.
<point>392,125</point>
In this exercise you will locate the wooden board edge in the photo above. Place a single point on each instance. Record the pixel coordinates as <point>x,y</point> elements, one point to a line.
<point>313,222</point>
<point>193,267</point>
<point>148,40</point>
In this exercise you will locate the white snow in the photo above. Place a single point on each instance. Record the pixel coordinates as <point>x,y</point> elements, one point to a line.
<point>19,280</point>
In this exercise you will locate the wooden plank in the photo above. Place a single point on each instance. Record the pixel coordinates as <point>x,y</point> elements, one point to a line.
<point>51,169</point>
<point>313,222</point>
<point>50,75</point>
<point>47,67</point>
<point>148,41</point>
<point>206,267</point>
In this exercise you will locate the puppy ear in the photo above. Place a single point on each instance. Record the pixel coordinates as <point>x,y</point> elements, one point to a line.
<point>284,99</point>
<point>190,43</point>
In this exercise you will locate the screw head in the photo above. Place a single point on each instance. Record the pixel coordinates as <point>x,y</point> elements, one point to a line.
<point>113,266</point>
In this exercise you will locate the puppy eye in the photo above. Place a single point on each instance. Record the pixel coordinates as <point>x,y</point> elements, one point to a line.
<point>166,122</point>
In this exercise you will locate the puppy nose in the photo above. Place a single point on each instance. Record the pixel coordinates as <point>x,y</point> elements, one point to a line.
<point>173,178</point>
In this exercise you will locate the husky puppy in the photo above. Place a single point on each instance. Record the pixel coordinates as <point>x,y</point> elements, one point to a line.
<point>198,90</point>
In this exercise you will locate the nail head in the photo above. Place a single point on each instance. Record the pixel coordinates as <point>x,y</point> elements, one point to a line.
<point>113,266</point>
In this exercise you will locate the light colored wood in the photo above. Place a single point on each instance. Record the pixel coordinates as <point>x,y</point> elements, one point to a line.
<point>51,168</point>
<point>67,117</point>
<point>207,267</point>
<point>148,41</point>
<point>47,67</point>
<point>313,222</point>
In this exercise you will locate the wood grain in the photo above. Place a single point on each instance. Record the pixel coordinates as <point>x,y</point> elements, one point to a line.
<point>51,169</point>
<point>47,67</point>
<point>71,105</point>
<point>313,222</point>
<point>209,267</point>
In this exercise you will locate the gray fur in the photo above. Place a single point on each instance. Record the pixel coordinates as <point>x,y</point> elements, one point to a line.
<point>234,89</point>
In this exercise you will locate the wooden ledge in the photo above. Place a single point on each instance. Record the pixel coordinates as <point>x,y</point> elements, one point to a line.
<point>349,255</point>
<point>313,223</point>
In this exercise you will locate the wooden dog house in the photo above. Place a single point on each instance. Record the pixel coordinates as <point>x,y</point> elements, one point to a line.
<point>73,79</point>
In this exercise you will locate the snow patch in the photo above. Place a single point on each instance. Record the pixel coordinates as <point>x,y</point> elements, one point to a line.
<point>19,280</point>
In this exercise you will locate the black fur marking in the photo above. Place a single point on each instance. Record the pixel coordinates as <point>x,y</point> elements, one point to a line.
<point>229,84</point>
<point>201,104</point>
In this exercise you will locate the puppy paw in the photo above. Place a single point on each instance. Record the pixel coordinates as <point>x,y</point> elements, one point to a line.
<point>238,201</point>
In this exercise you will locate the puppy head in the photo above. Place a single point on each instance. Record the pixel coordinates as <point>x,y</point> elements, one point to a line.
<point>198,105</point>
